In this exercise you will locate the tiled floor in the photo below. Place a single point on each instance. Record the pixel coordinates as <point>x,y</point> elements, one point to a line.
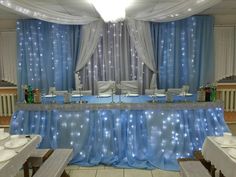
<point>106,171</point>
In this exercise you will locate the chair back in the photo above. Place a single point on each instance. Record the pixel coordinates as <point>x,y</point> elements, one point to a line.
<point>106,87</point>
<point>129,87</point>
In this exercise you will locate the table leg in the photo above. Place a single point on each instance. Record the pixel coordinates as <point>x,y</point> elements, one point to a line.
<point>221,174</point>
<point>64,174</point>
<point>26,169</point>
<point>213,171</point>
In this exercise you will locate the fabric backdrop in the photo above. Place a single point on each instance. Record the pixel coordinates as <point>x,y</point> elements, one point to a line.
<point>115,58</point>
<point>8,56</point>
<point>184,50</point>
<point>46,54</point>
<point>225,50</point>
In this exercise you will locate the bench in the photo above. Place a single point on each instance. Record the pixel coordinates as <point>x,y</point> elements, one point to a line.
<point>207,164</point>
<point>55,165</point>
<point>35,160</point>
<point>193,168</point>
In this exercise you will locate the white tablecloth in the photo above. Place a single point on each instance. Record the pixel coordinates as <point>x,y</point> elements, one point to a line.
<point>10,168</point>
<point>219,157</point>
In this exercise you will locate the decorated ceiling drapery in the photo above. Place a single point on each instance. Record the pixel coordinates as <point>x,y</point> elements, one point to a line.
<point>83,12</point>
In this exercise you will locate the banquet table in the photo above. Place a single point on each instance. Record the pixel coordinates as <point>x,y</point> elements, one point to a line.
<point>90,99</point>
<point>11,167</point>
<point>138,134</point>
<point>219,156</point>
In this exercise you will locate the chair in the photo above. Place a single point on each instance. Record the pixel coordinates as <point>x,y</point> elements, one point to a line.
<point>154,91</point>
<point>185,89</point>
<point>82,92</point>
<point>60,92</point>
<point>171,92</point>
<point>106,87</point>
<point>174,91</point>
<point>129,87</point>
<point>52,90</point>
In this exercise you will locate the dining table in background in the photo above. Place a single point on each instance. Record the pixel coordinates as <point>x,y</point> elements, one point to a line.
<point>12,166</point>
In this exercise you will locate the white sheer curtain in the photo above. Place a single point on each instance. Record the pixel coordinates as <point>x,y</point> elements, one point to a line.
<point>8,56</point>
<point>225,59</point>
<point>116,59</point>
<point>140,34</point>
<point>90,36</point>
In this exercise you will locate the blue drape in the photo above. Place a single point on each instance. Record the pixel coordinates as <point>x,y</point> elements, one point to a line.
<point>121,137</point>
<point>46,55</point>
<point>184,52</point>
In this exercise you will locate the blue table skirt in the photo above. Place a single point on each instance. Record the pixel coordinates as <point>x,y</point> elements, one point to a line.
<point>123,138</point>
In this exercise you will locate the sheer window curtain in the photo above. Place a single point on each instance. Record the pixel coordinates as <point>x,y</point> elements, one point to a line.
<point>225,48</point>
<point>185,52</point>
<point>115,58</point>
<point>8,56</point>
<point>46,55</point>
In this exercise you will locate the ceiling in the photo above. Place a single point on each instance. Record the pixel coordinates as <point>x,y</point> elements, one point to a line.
<point>82,7</point>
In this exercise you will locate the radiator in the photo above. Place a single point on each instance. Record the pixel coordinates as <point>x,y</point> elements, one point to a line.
<point>7,104</point>
<point>229,98</point>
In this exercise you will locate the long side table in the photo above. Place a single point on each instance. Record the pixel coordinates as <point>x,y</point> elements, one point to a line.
<point>142,135</point>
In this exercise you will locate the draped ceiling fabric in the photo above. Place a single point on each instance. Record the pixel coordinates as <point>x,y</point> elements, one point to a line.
<point>225,52</point>
<point>46,55</point>
<point>8,56</point>
<point>82,12</point>
<point>185,52</point>
<point>116,59</point>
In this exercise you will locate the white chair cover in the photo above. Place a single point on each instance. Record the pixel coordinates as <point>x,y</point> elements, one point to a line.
<point>154,91</point>
<point>185,88</point>
<point>60,92</point>
<point>129,87</point>
<point>105,87</point>
<point>174,91</point>
<point>82,92</point>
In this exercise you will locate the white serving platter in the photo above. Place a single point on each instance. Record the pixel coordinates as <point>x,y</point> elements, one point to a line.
<point>186,94</point>
<point>132,95</point>
<point>50,96</point>
<point>16,143</point>
<point>6,154</point>
<point>4,135</point>
<point>232,152</point>
<point>225,141</point>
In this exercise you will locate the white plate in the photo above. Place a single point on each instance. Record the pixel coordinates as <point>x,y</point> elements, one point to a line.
<point>132,95</point>
<point>77,95</point>
<point>15,143</point>
<point>186,94</point>
<point>6,154</point>
<point>104,96</point>
<point>225,141</point>
<point>232,152</point>
<point>50,96</point>
<point>160,95</point>
<point>4,135</point>
<point>1,148</point>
